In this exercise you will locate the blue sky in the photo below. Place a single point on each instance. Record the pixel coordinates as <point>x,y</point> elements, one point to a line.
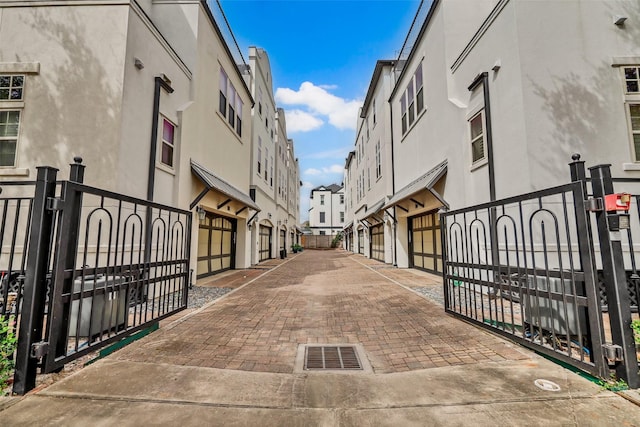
<point>322,56</point>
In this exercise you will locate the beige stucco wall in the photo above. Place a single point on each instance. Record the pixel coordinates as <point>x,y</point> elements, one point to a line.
<point>59,121</point>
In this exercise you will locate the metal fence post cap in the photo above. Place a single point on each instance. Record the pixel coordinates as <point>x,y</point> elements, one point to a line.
<point>46,173</point>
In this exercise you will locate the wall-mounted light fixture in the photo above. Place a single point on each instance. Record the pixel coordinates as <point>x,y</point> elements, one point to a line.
<point>137,62</point>
<point>619,20</point>
<point>201,213</point>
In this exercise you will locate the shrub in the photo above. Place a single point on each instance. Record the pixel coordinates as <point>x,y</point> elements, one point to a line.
<point>8,342</point>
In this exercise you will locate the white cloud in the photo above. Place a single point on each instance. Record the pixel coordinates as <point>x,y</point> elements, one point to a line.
<point>301,121</point>
<point>341,113</point>
<point>327,170</point>
<point>338,153</point>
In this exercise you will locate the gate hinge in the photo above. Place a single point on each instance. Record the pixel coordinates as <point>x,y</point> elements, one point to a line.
<point>594,204</point>
<point>54,204</point>
<point>39,349</point>
<point>613,353</point>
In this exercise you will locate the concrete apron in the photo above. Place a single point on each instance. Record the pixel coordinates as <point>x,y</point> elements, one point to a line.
<point>123,393</point>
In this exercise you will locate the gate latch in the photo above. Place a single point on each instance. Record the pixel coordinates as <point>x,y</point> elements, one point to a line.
<point>39,349</point>
<point>613,353</point>
<point>54,204</point>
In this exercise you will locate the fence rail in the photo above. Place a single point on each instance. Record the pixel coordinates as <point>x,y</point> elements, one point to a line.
<point>515,266</point>
<point>95,266</point>
<point>554,270</point>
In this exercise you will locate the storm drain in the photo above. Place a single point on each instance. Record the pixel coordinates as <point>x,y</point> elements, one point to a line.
<point>331,357</point>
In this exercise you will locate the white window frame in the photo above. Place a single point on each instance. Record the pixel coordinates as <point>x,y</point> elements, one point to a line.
<point>480,137</point>
<point>224,82</point>
<point>259,155</point>
<point>12,87</point>
<point>378,161</point>
<point>9,138</point>
<point>636,80</point>
<point>170,144</point>
<point>633,133</point>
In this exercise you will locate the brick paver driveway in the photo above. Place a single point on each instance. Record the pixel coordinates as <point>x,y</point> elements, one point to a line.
<point>323,297</point>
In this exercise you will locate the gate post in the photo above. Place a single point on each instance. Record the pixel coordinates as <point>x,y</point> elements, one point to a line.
<point>615,280</point>
<point>67,247</point>
<point>35,286</point>
<point>595,329</point>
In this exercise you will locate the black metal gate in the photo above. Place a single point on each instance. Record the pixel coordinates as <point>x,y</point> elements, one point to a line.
<point>525,267</point>
<point>99,266</point>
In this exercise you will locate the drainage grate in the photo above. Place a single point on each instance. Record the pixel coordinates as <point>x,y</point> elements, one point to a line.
<point>331,357</point>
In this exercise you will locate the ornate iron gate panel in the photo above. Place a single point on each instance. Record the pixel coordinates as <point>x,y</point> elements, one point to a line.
<point>524,267</point>
<point>96,265</point>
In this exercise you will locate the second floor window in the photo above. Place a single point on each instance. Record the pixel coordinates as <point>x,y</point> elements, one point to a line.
<point>168,134</point>
<point>222,102</point>
<point>322,217</point>
<point>476,126</point>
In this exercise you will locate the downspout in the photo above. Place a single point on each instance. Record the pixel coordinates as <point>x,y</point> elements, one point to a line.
<point>160,82</point>
<point>483,78</point>
<point>393,191</point>
<point>164,83</point>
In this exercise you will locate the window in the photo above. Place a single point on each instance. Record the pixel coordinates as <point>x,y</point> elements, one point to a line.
<point>222,103</point>
<point>411,103</point>
<point>374,111</point>
<point>323,233</point>
<point>238,115</point>
<point>632,79</point>
<point>259,155</point>
<point>342,199</point>
<point>322,219</point>
<point>367,123</point>
<point>168,133</point>
<point>266,166</point>
<point>322,199</point>
<point>260,101</point>
<point>419,89</point>
<point>378,161</point>
<point>403,112</point>
<point>341,216</point>
<point>232,101</point>
<point>634,116</point>
<point>477,137</point>
<point>412,100</point>
<point>271,176</point>
<point>9,125</point>
<point>11,87</point>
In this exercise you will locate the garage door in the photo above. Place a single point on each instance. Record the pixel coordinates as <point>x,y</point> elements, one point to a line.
<point>265,243</point>
<point>377,242</point>
<point>216,245</point>
<point>425,252</point>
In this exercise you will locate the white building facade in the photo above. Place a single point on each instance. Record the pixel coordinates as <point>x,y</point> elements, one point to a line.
<point>493,98</point>
<point>114,83</point>
<point>327,210</point>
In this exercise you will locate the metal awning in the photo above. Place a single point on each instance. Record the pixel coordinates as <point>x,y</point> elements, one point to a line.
<point>213,182</point>
<point>375,208</point>
<point>425,182</point>
<point>347,226</point>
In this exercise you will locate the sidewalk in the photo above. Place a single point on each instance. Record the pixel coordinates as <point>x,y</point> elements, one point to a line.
<point>237,362</point>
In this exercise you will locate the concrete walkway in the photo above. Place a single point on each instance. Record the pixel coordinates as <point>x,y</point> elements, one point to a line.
<point>238,362</point>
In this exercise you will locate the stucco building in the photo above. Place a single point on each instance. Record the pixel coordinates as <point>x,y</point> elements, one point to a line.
<point>151,96</point>
<point>326,212</point>
<point>274,170</point>
<point>490,99</point>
